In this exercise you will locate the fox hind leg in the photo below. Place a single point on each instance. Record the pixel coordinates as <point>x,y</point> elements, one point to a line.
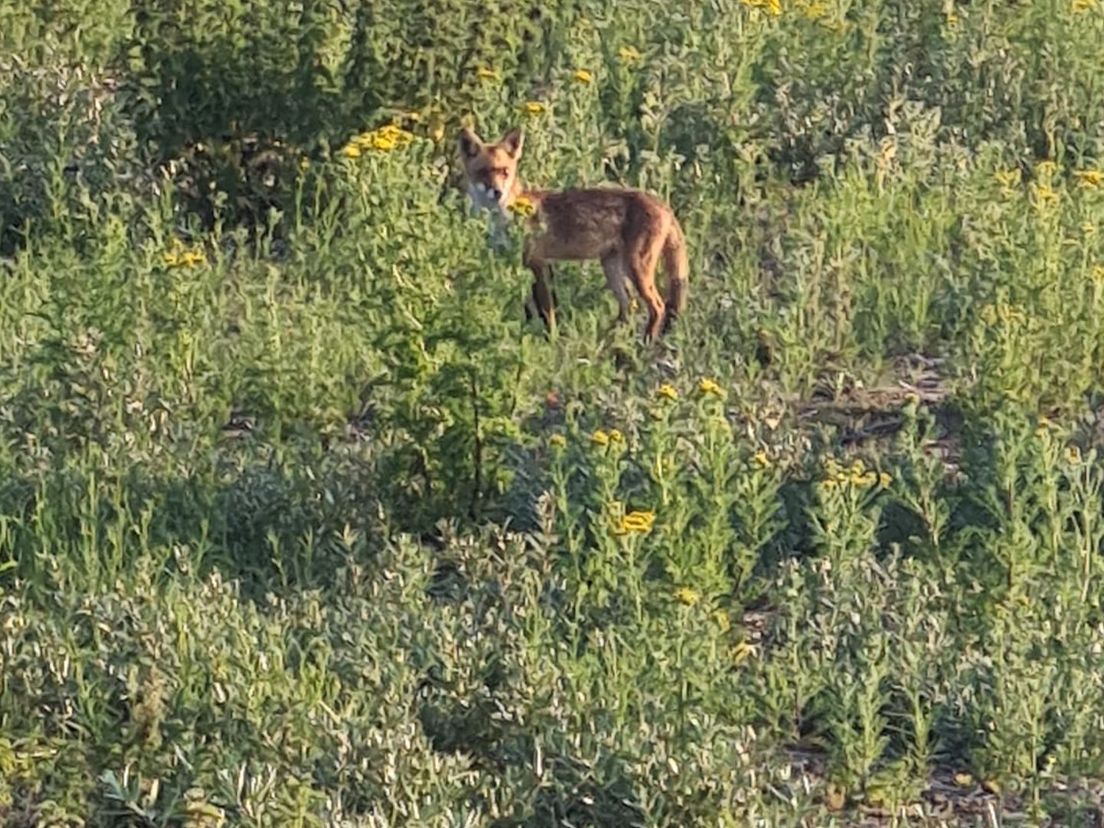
<point>541,294</point>
<point>617,279</point>
<point>643,257</point>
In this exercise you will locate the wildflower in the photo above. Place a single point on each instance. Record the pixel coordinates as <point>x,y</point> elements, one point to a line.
<point>523,206</point>
<point>884,480</point>
<point>741,651</point>
<point>1073,455</point>
<point>723,621</point>
<point>583,76</point>
<point>635,522</point>
<point>534,108</point>
<point>708,386</point>
<point>600,438</point>
<point>1046,169</point>
<point>486,73</point>
<point>616,436</point>
<point>557,441</point>
<point>687,595</point>
<point>761,459</point>
<point>1008,178</point>
<point>351,151</point>
<point>628,54</point>
<point>1082,6</point>
<point>1044,195</point>
<point>952,20</point>
<point>181,256</point>
<point>667,392</point>
<point>1089,178</point>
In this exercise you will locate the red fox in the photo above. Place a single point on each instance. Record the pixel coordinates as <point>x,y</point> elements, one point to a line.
<point>627,230</point>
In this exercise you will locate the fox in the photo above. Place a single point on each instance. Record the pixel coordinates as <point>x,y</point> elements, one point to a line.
<point>629,231</point>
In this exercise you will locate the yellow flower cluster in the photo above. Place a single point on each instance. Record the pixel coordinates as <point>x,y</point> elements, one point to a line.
<point>384,139</point>
<point>486,73</point>
<point>557,441</point>
<point>1089,178</point>
<point>629,54</point>
<point>583,76</point>
<point>1008,178</point>
<point>604,438</point>
<point>1082,6</point>
<point>633,523</point>
<point>710,387</point>
<point>856,475</point>
<point>534,108</point>
<point>178,255</point>
<point>523,206</point>
<point>1044,195</point>
<point>761,459</point>
<point>667,392</point>
<point>771,7</point>
<point>687,595</point>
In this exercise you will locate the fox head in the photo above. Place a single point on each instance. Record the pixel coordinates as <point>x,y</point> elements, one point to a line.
<point>490,169</point>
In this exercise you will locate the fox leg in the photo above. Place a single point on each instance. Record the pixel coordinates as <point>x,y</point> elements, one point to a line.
<point>617,278</point>
<point>541,294</point>
<point>643,256</point>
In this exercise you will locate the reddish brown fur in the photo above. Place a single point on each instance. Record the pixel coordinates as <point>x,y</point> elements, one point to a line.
<point>629,231</point>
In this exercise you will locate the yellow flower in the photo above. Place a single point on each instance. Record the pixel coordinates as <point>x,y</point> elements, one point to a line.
<point>687,595</point>
<point>1073,454</point>
<point>667,391</point>
<point>1045,195</point>
<point>351,151</point>
<point>1045,169</point>
<point>884,480</point>
<point>557,440</point>
<point>952,20</point>
<point>628,54</point>
<point>1081,6</point>
<point>635,522</point>
<point>534,108</point>
<point>486,73</point>
<point>1089,178</point>
<point>181,256</point>
<point>708,386</point>
<point>583,76</point>
<point>761,459</point>
<point>523,206</point>
<point>723,621</point>
<point>1008,178</point>
<point>600,438</point>
<point>616,436</point>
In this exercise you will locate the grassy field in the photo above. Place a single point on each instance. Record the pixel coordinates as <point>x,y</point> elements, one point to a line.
<point>302,523</point>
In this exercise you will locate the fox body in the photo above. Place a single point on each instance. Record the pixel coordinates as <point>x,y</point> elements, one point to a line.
<point>629,231</point>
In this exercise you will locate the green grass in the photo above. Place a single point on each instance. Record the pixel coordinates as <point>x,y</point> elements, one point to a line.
<point>311,527</point>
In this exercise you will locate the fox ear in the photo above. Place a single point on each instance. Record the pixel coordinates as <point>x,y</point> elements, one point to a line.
<point>469,143</point>
<point>513,141</point>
